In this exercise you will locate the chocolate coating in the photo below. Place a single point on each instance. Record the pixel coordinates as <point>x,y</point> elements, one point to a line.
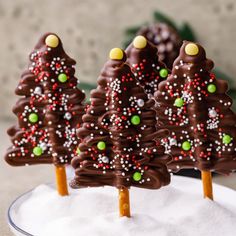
<point>129,148</point>
<point>44,96</point>
<point>146,66</point>
<point>199,126</point>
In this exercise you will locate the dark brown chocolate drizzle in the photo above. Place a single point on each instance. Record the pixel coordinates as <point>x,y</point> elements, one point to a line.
<point>204,118</point>
<point>106,121</point>
<point>146,66</point>
<point>46,63</point>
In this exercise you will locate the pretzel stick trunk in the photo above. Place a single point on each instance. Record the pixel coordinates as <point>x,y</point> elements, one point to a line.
<point>207,184</point>
<point>61,181</point>
<point>124,204</point>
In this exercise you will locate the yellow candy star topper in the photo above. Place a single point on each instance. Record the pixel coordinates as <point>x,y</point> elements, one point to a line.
<point>191,49</point>
<point>140,42</point>
<point>116,54</point>
<point>52,41</point>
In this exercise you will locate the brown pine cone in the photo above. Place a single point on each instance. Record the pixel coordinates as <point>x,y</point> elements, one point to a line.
<point>167,40</point>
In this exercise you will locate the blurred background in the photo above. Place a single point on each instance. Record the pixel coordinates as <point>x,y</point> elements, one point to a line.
<point>89,29</point>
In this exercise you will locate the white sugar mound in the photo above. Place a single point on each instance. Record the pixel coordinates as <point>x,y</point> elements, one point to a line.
<point>176,210</point>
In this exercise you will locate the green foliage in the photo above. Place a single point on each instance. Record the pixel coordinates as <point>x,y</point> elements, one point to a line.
<point>161,17</point>
<point>127,41</point>
<point>186,32</point>
<point>232,94</point>
<point>86,87</point>
<point>129,35</point>
<point>133,30</point>
<point>221,75</point>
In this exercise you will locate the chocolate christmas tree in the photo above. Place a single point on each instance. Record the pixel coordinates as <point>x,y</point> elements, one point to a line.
<point>194,106</point>
<point>50,109</point>
<point>145,64</point>
<point>118,136</point>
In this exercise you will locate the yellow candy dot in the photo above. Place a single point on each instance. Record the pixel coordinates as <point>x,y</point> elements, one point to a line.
<point>52,41</point>
<point>140,42</point>
<point>191,49</point>
<point>116,54</point>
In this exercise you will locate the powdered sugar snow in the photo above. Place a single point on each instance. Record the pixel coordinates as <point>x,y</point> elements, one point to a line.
<point>175,210</point>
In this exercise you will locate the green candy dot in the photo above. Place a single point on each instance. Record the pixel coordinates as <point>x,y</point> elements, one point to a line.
<point>101,145</point>
<point>78,151</point>
<point>38,151</point>
<point>33,118</point>
<point>135,120</point>
<point>62,78</point>
<point>211,88</point>
<point>186,146</point>
<point>163,73</point>
<point>179,102</point>
<point>227,139</point>
<point>137,176</point>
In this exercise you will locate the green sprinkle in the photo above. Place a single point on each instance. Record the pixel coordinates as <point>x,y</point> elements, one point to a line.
<point>179,102</point>
<point>101,145</point>
<point>62,78</point>
<point>135,120</point>
<point>186,146</point>
<point>78,151</point>
<point>163,73</point>
<point>227,139</point>
<point>137,176</point>
<point>33,118</point>
<point>211,88</point>
<point>38,151</point>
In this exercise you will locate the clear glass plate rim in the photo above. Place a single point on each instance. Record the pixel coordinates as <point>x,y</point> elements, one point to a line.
<point>9,218</point>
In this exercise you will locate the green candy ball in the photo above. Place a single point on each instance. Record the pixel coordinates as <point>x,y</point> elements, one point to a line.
<point>38,151</point>
<point>179,102</point>
<point>33,118</point>
<point>77,151</point>
<point>101,145</point>
<point>137,176</point>
<point>227,139</point>
<point>186,146</point>
<point>135,120</point>
<point>211,88</point>
<point>62,78</point>
<point>163,73</point>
